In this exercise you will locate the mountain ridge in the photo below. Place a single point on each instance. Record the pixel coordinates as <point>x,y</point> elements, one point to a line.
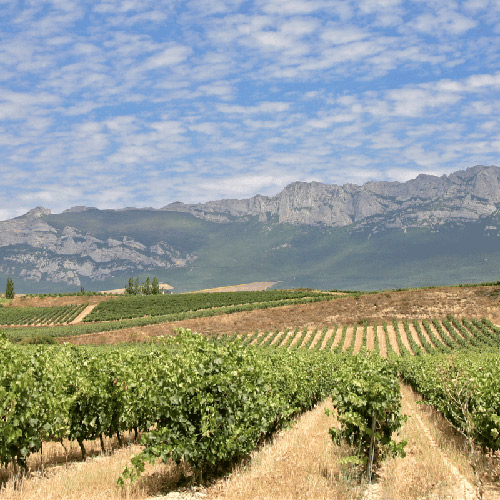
<point>429,230</point>
<point>464,194</point>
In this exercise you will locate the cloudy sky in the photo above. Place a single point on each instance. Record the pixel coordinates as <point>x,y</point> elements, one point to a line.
<point>118,103</point>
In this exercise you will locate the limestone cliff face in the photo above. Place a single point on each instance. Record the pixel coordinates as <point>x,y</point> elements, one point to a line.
<point>463,195</point>
<point>36,251</point>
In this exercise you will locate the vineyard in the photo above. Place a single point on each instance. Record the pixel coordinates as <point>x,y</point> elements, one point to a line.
<point>209,400</point>
<point>139,306</point>
<point>38,316</point>
<point>139,311</point>
<point>195,400</point>
<point>410,337</point>
<point>464,387</point>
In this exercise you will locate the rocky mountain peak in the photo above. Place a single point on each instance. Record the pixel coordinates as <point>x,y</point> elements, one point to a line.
<point>427,199</point>
<point>79,209</point>
<point>37,212</point>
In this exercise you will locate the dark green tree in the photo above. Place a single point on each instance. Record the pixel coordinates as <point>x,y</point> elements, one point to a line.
<point>137,286</point>
<point>155,287</point>
<point>9,290</point>
<point>146,287</point>
<point>129,290</point>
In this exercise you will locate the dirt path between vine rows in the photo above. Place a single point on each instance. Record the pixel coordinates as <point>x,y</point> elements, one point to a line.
<point>83,314</point>
<point>435,466</point>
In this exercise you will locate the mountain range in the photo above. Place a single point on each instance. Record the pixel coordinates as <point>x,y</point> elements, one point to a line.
<point>427,231</point>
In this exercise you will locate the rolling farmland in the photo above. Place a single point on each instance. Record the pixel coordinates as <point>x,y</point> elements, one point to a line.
<point>210,399</point>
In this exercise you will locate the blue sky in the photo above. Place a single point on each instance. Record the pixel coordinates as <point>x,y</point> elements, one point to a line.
<point>120,103</point>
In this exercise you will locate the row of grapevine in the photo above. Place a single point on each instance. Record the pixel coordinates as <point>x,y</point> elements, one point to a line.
<point>367,398</point>
<point>415,347</point>
<point>203,402</point>
<point>440,336</point>
<point>137,306</point>
<point>401,346</point>
<point>464,385</point>
<point>40,315</point>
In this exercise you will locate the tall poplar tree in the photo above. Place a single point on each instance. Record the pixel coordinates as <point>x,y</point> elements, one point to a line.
<point>9,290</point>
<point>130,287</point>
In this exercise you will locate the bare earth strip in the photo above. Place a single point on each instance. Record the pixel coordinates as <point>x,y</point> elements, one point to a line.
<point>459,333</point>
<point>258,339</point>
<point>292,334</point>
<point>436,333</point>
<point>404,338</point>
<point>426,335</point>
<point>348,337</point>
<point>328,335</point>
<point>381,339</point>
<point>358,341</point>
<point>277,339</point>
<point>83,314</point>
<point>370,338</point>
<point>392,338</point>
<point>316,339</point>
<point>338,336</point>
<point>297,338</point>
<point>287,337</point>
<point>266,336</point>
<point>310,332</point>
<point>445,332</point>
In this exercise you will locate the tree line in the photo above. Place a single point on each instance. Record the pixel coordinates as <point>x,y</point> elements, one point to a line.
<point>147,287</point>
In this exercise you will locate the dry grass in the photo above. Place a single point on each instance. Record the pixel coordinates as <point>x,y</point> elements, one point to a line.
<point>256,286</point>
<point>67,478</point>
<point>437,465</point>
<point>300,463</point>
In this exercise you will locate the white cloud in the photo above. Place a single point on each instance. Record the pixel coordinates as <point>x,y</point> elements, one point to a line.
<point>187,98</point>
<point>443,21</point>
<point>168,57</point>
<point>262,107</point>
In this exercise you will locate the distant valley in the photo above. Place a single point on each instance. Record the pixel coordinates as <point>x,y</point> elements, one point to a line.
<point>427,231</point>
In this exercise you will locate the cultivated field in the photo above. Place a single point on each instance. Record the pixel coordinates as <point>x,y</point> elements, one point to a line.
<point>473,302</point>
<point>256,286</point>
<point>368,358</point>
